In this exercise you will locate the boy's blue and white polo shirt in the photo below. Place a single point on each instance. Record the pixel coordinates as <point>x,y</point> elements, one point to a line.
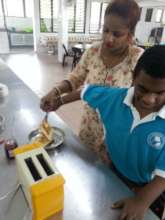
<point>136,147</point>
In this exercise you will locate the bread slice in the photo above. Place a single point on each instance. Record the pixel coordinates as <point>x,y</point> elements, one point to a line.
<point>46,133</point>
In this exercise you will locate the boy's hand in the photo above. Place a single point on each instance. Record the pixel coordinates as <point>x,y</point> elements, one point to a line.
<point>132,208</point>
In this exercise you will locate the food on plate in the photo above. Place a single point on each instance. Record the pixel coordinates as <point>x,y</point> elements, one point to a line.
<point>46,133</point>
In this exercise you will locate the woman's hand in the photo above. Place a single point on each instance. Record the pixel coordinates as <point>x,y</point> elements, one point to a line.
<point>132,208</point>
<point>51,101</point>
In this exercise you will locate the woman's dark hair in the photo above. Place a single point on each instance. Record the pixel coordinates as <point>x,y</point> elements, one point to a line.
<point>152,62</point>
<point>127,10</point>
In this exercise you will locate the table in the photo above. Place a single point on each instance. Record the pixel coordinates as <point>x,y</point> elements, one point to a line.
<point>90,188</point>
<point>82,46</point>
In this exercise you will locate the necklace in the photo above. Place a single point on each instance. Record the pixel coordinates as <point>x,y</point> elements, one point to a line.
<point>112,60</point>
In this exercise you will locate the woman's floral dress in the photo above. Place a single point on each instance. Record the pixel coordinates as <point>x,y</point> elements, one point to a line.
<point>91,70</point>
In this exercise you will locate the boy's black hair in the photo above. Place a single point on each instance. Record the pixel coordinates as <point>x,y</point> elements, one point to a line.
<point>152,62</point>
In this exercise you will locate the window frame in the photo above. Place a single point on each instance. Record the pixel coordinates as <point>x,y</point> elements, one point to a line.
<point>74,24</point>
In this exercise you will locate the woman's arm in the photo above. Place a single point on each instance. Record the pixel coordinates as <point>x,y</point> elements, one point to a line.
<point>52,101</point>
<point>71,97</point>
<point>64,86</point>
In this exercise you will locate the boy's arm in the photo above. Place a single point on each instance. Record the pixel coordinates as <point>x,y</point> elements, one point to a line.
<point>136,207</point>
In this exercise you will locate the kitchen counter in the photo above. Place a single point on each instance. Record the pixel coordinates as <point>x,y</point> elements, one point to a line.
<point>90,188</point>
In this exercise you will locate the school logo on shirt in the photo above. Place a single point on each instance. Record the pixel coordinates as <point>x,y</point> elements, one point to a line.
<point>156,140</point>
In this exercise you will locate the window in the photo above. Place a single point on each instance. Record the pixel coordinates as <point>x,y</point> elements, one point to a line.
<point>159,15</point>
<point>55,15</point>
<point>140,13</point>
<point>149,14</point>
<point>163,17</point>
<point>76,17</point>
<point>71,12</point>
<point>1,9</point>
<point>17,8</point>
<point>97,16</point>
<point>14,8</point>
<point>45,16</point>
<point>49,16</point>
<point>29,8</point>
<point>80,16</point>
<point>104,6</point>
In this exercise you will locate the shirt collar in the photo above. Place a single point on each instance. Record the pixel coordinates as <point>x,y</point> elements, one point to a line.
<point>128,101</point>
<point>129,97</point>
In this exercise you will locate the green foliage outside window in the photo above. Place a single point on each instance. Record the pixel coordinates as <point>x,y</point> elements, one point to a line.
<point>43,27</point>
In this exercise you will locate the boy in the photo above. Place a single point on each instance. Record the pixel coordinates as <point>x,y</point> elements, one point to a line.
<point>134,125</point>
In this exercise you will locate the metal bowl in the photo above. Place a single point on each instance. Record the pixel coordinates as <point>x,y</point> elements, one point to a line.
<point>58,136</point>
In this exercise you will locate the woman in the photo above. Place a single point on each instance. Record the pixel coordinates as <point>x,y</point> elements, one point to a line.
<point>110,62</point>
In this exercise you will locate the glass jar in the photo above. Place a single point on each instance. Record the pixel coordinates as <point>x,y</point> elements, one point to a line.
<point>9,146</point>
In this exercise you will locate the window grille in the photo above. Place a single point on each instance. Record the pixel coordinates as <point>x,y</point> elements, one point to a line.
<point>71,18</point>
<point>55,15</point>
<point>97,16</point>
<point>149,14</point>
<point>104,6</point>
<point>45,16</point>
<point>76,17</point>
<point>49,16</point>
<point>80,16</point>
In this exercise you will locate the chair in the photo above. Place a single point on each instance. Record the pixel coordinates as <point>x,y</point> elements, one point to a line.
<point>68,53</point>
<point>77,55</point>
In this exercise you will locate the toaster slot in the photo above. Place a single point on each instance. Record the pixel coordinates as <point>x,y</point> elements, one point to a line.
<point>45,164</point>
<point>33,170</point>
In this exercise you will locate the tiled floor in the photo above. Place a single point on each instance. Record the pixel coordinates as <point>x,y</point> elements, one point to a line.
<point>41,72</point>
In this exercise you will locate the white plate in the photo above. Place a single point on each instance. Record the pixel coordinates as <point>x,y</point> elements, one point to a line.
<point>58,136</point>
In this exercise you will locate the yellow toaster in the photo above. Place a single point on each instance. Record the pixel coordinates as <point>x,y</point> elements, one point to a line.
<point>41,182</point>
